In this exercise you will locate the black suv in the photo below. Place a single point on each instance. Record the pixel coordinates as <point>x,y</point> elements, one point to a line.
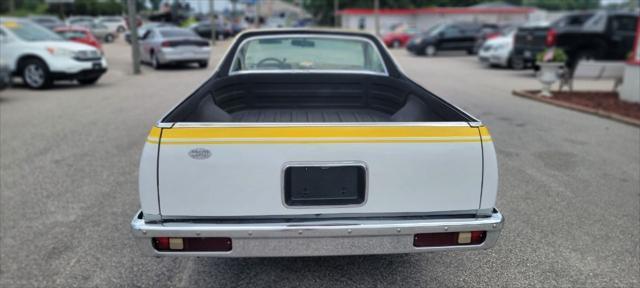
<point>600,35</point>
<point>455,36</point>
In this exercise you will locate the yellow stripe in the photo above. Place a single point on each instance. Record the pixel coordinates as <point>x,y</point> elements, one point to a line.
<point>323,134</point>
<point>154,134</point>
<point>484,133</point>
<point>314,141</point>
<point>319,132</point>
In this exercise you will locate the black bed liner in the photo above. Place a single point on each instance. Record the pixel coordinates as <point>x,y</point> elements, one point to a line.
<point>318,98</point>
<point>310,115</point>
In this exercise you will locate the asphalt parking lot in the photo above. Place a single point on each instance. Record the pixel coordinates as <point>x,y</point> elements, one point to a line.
<point>569,188</point>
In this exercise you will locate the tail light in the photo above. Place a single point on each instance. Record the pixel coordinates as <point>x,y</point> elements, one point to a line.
<point>492,35</point>
<point>186,244</point>
<point>166,44</point>
<point>551,38</point>
<point>449,239</point>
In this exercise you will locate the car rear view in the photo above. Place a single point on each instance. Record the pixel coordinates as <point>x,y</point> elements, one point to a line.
<point>310,143</point>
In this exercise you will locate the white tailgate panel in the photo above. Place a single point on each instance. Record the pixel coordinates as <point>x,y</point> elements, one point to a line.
<point>245,179</point>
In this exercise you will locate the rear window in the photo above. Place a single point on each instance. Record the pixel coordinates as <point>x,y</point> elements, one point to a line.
<point>177,33</point>
<point>572,21</point>
<point>71,34</point>
<point>307,53</point>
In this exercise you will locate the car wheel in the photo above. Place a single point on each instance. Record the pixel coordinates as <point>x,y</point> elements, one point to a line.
<point>35,74</point>
<point>509,63</point>
<point>203,64</point>
<point>108,38</point>
<point>430,50</point>
<point>120,29</point>
<point>517,63</point>
<point>396,44</point>
<point>155,63</point>
<point>88,81</point>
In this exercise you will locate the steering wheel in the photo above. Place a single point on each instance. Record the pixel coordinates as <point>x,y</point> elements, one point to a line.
<point>270,62</point>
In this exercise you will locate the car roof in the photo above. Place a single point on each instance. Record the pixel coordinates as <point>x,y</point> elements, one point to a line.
<point>297,31</point>
<point>13,19</point>
<point>44,17</point>
<point>72,28</point>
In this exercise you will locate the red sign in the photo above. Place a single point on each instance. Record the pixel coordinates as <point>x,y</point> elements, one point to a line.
<point>635,57</point>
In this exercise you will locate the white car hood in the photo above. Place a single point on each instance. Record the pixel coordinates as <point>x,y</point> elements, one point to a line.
<point>73,46</point>
<point>500,40</point>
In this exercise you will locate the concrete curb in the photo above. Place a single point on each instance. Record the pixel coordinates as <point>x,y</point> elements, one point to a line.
<point>605,114</point>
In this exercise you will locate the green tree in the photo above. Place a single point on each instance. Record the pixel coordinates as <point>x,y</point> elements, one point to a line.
<point>155,4</point>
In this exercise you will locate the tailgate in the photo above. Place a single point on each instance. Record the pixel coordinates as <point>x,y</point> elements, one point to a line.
<point>531,39</point>
<point>218,171</point>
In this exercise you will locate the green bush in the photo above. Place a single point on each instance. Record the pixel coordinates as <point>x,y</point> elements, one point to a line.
<point>187,22</point>
<point>558,56</point>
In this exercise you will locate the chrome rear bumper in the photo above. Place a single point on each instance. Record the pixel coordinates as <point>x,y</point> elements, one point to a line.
<point>317,238</point>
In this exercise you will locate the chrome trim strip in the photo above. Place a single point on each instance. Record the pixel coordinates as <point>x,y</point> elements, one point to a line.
<point>316,124</point>
<point>303,35</point>
<point>325,164</point>
<point>301,71</point>
<point>333,216</point>
<point>317,238</point>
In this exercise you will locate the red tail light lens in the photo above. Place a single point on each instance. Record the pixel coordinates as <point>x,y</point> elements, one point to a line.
<point>449,239</point>
<point>551,38</point>
<point>186,244</point>
<point>166,44</point>
<point>492,35</point>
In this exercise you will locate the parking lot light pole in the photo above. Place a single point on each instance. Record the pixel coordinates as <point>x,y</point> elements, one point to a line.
<point>133,30</point>
<point>376,14</point>
<point>336,6</point>
<point>213,22</point>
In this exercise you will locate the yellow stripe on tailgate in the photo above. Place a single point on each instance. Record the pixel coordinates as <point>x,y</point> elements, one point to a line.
<point>317,134</point>
<point>484,133</point>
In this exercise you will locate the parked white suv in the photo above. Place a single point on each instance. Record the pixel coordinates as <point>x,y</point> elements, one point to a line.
<point>40,56</point>
<point>116,24</point>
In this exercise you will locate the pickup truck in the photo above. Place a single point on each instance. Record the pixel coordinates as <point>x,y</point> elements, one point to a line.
<point>586,35</point>
<point>311,143</point>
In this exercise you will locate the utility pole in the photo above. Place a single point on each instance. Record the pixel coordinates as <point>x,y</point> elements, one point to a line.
<point>234,13</point>
<point>133,28</point>
<point>376,13</point>
<point>257,20</point>
<point>336,6</point>
<point>213,22</point>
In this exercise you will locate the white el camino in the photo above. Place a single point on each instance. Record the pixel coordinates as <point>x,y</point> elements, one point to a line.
<point>314,142</point>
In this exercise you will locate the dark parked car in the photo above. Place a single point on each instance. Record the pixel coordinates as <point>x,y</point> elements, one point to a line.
<point>203,28</point>
<point>598,36</point>
<point>455,36</point>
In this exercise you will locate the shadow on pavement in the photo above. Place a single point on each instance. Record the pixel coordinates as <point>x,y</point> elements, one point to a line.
<point>336,271</point>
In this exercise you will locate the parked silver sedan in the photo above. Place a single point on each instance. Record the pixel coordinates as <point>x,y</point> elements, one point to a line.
<point>171,45</point>
<point>102,32</point>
